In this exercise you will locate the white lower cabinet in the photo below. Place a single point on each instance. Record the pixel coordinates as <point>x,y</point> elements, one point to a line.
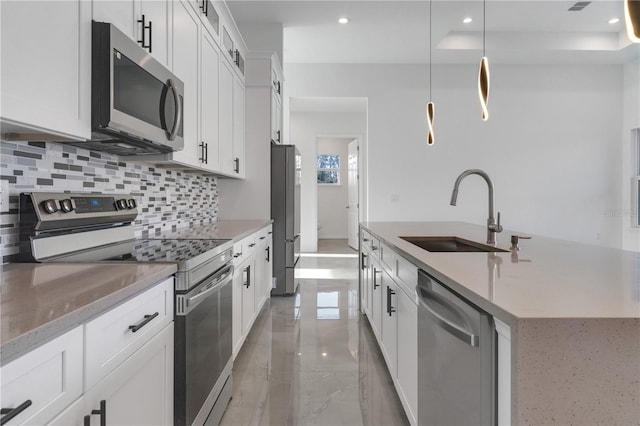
<point>407,383</point>
<point>391,308</point>
<point>376,298</point>
<point>117,367</point>
<point>139,392</point>
<point>248,294</point>
<point>389,322</point>
<point>41,383</point>
<point>109,339</point>
<point>252,279</point>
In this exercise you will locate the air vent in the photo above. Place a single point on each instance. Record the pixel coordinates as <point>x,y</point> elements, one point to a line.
<point>579,6</point>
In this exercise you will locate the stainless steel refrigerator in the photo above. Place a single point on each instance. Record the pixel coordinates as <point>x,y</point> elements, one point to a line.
<point>285,212</point>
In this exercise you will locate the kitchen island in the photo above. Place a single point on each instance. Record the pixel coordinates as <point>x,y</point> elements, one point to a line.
<point>571,311</point>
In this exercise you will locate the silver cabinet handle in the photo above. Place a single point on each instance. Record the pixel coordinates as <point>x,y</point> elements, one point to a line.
<point>453,329</point>
<point>178,110</point>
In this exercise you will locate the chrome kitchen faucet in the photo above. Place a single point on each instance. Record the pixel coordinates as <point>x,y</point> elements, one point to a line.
<point>492,226</point>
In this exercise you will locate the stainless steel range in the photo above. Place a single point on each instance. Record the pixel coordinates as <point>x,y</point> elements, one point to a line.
<point>57,227</point>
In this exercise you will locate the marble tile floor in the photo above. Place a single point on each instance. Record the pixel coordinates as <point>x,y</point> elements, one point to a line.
<point>312,359</point>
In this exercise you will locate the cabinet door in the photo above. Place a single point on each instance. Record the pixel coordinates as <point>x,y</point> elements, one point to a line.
<point>209,87</point>
<point>226,118</point>
<point>248,294</point>
<point>43,381</point>
<point>121,13</point>
<point>268,279</point>
<point>140,391</point>
<point>408,355</point>
<point>156,14</point>
<point>376,299</point>
<point>186,37</point>
<point>238,126</point>
<point>390,322</point>
<point>236,324</point>
<point>276,134</point>
<point>259,276</point>
<point>109,338</point>
<point>364,282</point>
<point>46,67</point>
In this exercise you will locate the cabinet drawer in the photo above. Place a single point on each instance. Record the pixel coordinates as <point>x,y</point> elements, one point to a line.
<point>110,339</point>
<point>407,276</point>
<point>387,258</point>
<point>249,245</point>
<point>50,377</point>
<point>237,253</point>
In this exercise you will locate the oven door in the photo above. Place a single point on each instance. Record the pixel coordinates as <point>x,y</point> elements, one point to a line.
<point>203,346</point>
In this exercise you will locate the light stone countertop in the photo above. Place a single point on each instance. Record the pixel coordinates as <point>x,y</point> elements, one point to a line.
<point>221,230</point>
<point>40,301</point>
<point>573,312</point>
<point>547,278</point>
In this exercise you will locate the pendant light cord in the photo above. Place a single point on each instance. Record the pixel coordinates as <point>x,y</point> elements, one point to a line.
<point>430,27</point>
<point>484,26</point>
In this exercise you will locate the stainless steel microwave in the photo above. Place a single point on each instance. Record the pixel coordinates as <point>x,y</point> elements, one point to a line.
<point>136,102</point>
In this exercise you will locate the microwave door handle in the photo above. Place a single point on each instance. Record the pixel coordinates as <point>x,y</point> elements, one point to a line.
<point>178,110</point>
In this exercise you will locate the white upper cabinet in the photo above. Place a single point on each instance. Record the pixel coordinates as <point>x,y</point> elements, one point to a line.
<point>157,29</point>
<point>238,126</point>
<point>186,37</point>
<point>120,13</point>
<point>46,69</point>
<point>209,106</point>
<point>226,118</point>
<point>144,21</point>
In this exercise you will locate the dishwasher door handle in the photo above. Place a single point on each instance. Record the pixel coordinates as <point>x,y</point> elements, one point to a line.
<point>459,332</point>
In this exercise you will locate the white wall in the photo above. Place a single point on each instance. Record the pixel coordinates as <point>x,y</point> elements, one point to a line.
<point>305,127</point>
<point>631,120</point>
<point>552,144</point>
<point>333,199</point>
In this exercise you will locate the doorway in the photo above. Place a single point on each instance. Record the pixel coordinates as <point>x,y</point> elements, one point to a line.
<point>337,181</point>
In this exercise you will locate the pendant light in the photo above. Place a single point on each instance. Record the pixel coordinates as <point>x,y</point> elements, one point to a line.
<point>483,74</point>
<point>632,19</point>
<point>430,106</point>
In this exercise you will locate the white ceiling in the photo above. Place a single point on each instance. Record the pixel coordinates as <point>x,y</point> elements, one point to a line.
<point>396,31</point>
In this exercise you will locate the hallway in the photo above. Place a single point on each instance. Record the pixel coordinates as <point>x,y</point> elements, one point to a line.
<point>312,359</point>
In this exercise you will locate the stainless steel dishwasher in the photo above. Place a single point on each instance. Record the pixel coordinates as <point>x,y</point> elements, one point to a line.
<point>456,358</point>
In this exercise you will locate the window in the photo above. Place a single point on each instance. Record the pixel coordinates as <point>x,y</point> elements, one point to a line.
<point>328,169</point>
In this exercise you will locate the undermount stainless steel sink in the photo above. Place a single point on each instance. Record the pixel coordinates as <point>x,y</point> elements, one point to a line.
<point>450,244</point>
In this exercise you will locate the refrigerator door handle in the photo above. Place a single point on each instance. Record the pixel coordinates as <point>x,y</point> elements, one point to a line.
<point>293,240</point>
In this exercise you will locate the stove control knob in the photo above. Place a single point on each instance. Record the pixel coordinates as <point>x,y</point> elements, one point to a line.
<point>50,206</point>
<point>131,204</point>
<point>121,204</point>
<point>66,205</point>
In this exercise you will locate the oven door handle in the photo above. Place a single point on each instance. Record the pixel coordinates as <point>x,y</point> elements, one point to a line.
<point>210,288</point>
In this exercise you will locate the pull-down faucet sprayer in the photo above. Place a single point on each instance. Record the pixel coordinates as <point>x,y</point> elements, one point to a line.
<point>492,226</point>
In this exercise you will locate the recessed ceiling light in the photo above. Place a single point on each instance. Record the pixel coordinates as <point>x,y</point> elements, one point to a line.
<point>614,20</point>
<point>467,20</point>
<point>343,20</point>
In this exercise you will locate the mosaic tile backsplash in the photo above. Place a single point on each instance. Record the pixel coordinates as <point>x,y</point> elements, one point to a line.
<point>167,199</point>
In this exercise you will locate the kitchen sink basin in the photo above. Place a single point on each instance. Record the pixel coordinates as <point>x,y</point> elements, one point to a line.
<point>450,244</point>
